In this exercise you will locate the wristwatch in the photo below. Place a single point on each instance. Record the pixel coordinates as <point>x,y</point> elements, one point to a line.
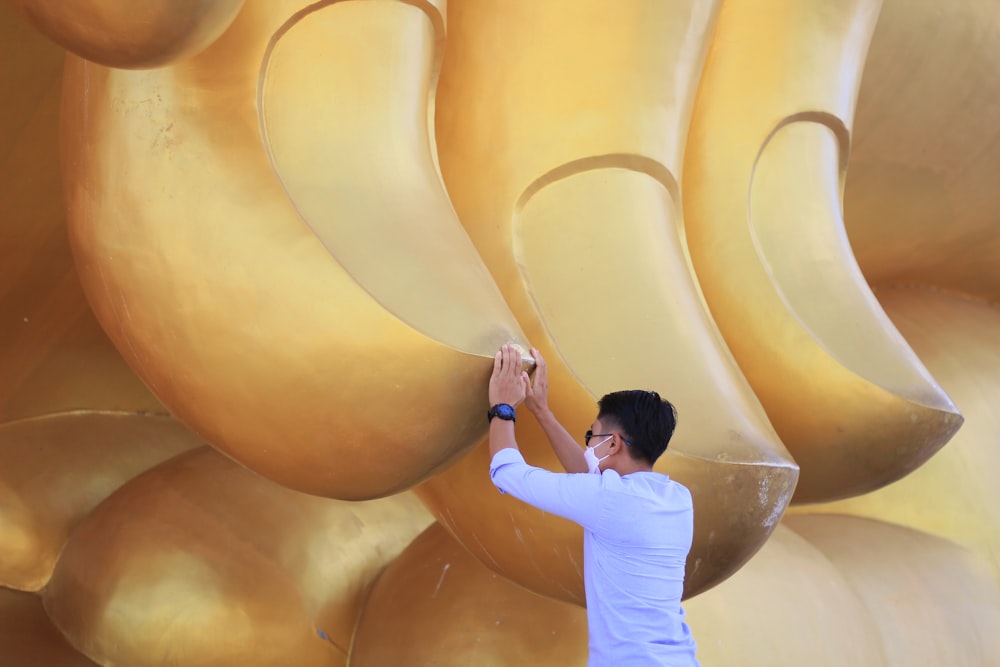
<point>503,411</point>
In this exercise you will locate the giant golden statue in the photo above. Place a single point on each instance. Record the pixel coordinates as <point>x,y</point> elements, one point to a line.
<point>257,256</point>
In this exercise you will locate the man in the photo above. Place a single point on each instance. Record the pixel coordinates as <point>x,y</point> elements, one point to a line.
<point>637,523</point>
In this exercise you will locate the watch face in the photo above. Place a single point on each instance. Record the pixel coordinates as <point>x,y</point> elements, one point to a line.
<point>503,411</point>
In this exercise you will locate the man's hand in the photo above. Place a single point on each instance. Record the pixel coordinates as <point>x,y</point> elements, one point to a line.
<point>506,385</point>
<point>536,397</point>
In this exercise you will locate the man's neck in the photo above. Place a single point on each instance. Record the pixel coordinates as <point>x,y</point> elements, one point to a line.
<point>629,466</point>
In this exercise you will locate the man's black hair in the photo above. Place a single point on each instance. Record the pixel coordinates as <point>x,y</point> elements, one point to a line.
<point>644,419</point>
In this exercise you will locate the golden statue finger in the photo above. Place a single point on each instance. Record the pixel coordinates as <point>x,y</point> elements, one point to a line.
<point>312,117</point>
<point>27,636</point>
<point>201,561</point>
<point>565,174</point>
<point>118,33</point>
<point>54,470</point>
<point>920,209</point>
<point>436,604</point>
<point>854,405</point>
<point>332,378</point>
<point>953,495</point>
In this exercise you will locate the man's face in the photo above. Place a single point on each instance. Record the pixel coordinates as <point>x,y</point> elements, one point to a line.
<point>597,437</point>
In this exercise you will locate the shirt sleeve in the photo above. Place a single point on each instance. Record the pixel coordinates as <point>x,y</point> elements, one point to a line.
<point>573,496</point>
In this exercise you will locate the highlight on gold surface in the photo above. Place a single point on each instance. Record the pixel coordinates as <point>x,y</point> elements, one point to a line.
<point>55,470</point>
<point>303,228</point>
<point>289,359</point>
<point>257,574</point>
<point>850,400</point>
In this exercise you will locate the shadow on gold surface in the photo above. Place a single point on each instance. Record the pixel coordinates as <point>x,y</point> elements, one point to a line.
<point>54,357</point>
<point>131,34</point>
<point>27,636</point>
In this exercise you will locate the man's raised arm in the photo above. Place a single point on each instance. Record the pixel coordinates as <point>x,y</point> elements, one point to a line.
<point>567,450</point>
<point>506,389</point>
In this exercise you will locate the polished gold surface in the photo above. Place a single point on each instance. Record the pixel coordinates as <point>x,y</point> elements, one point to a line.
<point>437,605</point>
<point>545,553</point>
<point>850,400</point>
<point>119,33</point>
<point>825,590</point>
<point>54,470</point>
<point>953,495</point>
<point>578,217</point>
<point>931,601</point>
<point>263,228</point>
<point>27,637</point>
<point>836,590</point>
<point>922,220</point>
<point>788,606</point>
<point>393,228</point>
<point>54,357</point>
<point>311,369</point>
<point>202,562</point>
<point>920,201</point>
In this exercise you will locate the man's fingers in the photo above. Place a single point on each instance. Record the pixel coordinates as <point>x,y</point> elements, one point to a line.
<point>504,360</point>
<point>541,370</point>
<point>528,391</point>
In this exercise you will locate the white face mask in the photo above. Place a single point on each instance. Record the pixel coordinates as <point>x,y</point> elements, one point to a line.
<point>594,463</point>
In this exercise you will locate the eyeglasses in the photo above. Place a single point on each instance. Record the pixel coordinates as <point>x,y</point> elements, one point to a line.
<point>590,434</point>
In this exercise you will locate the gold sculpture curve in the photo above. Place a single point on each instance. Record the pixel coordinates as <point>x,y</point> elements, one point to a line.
<point>373,231</point>
<point>272,355</point>
<point>128,34</point>
<point>920,215</point>
<point>952,495</point>
<point>54,470</point>
<point>858,592</point>
<point>436,583</point>
<point>256,574</point>
<point>578,219</point>
<point>837,380</point>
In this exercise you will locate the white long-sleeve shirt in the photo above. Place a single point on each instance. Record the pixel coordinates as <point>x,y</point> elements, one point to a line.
<point>637,534</point>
